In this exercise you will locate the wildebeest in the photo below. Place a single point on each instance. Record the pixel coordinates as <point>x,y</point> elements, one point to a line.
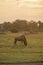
<point>21,38</point>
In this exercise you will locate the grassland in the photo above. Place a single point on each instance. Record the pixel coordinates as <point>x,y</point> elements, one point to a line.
<point>11,53</point>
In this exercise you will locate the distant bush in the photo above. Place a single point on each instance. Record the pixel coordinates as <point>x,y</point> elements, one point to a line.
<point>13,31</point>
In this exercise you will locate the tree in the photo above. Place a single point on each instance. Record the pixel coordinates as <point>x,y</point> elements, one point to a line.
<point>32,26</point>
<point>40,27</point>
<point>7,26</point>
<point>20,25</point>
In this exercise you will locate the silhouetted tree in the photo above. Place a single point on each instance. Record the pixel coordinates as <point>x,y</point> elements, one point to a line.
<point>32,26</point>
<point>40,27</point>
<point>20,25</point>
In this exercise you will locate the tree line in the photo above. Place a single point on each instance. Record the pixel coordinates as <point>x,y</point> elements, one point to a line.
<point>22,25</point>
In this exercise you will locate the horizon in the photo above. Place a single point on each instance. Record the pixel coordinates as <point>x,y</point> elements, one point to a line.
<point>10,10</point>
<point>22,20</point>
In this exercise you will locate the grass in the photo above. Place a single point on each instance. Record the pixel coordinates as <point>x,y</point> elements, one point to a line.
<point>11,53</point>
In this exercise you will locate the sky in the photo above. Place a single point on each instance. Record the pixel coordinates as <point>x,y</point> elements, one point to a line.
<point>11,10</point>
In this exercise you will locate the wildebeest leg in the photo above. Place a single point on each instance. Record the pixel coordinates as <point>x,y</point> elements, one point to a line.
<point>15,41</point>
<point>25,42</point>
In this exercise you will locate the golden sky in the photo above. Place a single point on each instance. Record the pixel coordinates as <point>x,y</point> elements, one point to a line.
<point>21,9</point>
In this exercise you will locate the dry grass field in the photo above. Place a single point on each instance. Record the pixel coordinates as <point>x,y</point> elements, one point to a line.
<point>33,52</point>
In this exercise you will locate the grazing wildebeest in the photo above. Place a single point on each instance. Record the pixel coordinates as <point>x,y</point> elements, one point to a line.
<point>21,38</point>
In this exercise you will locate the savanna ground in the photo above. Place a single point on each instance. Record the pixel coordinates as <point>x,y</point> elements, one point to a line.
<point>33,52</point>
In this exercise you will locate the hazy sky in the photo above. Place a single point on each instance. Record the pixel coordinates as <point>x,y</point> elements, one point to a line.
<point>11,10</point>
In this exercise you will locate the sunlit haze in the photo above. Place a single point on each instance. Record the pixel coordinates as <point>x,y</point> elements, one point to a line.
<point>11,10</point>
